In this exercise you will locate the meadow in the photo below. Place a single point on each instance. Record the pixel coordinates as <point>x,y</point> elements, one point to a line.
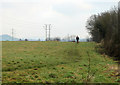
<point>55,62</point>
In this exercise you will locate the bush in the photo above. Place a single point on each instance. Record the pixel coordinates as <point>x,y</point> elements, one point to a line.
<point>104,28</point>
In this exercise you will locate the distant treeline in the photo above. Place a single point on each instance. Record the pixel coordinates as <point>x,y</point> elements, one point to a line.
<point>105,28</point>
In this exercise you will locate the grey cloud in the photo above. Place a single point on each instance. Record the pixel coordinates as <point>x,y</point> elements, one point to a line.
<point>68,9</point>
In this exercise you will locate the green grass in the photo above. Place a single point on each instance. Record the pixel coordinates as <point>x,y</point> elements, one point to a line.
<point>53,62</point>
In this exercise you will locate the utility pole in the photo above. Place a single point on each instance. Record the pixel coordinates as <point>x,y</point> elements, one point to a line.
<point>47,28</point>
<point>46,31</point>
<point>68,38</point>
<point>12,33</point>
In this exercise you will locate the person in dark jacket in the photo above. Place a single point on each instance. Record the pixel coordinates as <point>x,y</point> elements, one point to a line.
<point>77,38</point>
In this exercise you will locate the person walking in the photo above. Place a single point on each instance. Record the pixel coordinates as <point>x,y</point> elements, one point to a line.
<point>77,38</point>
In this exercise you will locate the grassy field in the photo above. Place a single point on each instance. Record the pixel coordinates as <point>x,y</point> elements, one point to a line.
<point>53,62</point>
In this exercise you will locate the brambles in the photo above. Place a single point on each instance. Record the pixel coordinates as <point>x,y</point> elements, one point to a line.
<point>104,28</point>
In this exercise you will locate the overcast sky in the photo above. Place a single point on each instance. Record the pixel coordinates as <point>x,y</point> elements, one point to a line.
<point>27,17</point>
